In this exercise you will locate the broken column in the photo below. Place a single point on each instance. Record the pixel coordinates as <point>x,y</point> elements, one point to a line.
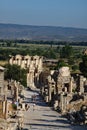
<point>81,84</point>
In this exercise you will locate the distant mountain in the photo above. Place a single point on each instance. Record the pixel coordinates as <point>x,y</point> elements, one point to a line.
<point>29,32</point>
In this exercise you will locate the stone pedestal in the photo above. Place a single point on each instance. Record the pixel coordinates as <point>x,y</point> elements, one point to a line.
<point>23,106</point>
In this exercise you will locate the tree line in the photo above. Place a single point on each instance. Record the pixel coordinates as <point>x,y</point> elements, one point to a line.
<point>22,41</point>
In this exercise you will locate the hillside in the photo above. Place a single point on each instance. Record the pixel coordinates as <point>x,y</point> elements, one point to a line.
<point>29,32</point>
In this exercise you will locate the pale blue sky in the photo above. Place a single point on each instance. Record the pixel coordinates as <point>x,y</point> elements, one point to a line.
<point>67,13</point>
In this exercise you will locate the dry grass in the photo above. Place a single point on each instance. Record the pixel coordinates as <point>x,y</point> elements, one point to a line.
<point>2,63</point>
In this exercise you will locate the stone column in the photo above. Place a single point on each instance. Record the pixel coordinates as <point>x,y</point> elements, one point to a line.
<point>6,109</point>
<point>59,87</point>
<point>12,90</point>
<point>17,93</point>
<point>5,92</point>
<point>33,85</point>
<point>3,106</point>
<point>28,62</point>
<point>70,86</point>
<point>37,62</point>
<point>81,84</point>
<point>42,90</point>
<point>19,61</point>
<point>54,88</point>
<point>65,103</point>
<point>61,102</point>
<point>49,91</point>
<point>23,64</point>
<point>11,61</point>
<point>40,64</point>
<point>28,79</point>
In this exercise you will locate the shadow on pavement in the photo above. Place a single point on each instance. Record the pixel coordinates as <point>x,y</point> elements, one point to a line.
<point>49,115</point>
<point>47,125</point>
<point>55,121</point>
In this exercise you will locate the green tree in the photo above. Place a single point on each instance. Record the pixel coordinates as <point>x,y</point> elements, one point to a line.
<point>71,61</point>
<point>83,65</point>
<point>9,44</point>
<point>50,54</point>
<point>60,64</point>
<point>75,67</point>
<point>66,51</point>
<point>16,73</point>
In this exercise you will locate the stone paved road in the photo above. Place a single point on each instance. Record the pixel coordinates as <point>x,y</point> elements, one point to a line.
<point>43,118</point>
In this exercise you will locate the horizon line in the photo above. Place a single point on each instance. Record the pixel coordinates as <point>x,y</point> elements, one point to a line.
<point>43,25</point>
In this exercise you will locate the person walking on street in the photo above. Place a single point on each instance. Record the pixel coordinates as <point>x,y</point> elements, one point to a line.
<point>34,106</point>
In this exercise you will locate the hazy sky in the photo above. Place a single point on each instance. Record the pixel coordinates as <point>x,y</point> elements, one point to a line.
<point>67,13</point>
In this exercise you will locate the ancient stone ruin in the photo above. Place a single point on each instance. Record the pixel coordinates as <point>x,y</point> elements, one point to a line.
<point>65,92</point>
<point>34,67</point>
